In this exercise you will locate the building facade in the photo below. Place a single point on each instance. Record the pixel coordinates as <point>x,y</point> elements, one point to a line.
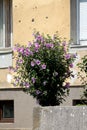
<point>18,19</point>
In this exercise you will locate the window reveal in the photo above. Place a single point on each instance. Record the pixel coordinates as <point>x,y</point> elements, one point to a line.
<point>7,111</point>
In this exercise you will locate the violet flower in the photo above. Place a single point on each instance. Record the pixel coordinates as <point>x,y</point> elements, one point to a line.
<point>32,63</point>
<point>20,61</point>
<point>37,46</point>
<point>38,92</point>
<point>15,49</point>
<point>33,80</point>
<point>43,66</point>
<point>67,85</point>
<point>37,62</point>
<point>64,43</point>
<point>29,44</point>
<point>27,52</point>
<point>49,45</point>
<point>21,50</point>
<point>39,38</point>
<point>74,55</point>
<point>71,65</point>
<point>67,56</point>
<point>26,84</point>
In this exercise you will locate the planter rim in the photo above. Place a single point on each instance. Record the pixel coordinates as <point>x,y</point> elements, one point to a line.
<point>82,106</point>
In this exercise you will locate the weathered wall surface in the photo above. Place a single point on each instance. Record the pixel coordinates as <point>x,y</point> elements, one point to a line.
<point>23,109</point>
<point>46,16</point>
<point>60,118</point>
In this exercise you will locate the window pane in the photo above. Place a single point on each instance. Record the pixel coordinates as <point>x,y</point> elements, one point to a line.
<point>8,110</point>
<point>73,20</point>
<point>8,23</point>
<point>5,23</point>
<point>83,19</point>
<point>1,23</point>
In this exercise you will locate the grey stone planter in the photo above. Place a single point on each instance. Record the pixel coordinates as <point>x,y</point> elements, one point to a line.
<point>60,118</point>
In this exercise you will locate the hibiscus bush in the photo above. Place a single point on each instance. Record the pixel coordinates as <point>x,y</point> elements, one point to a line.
<point>82,74</point>
<point>43,67</point>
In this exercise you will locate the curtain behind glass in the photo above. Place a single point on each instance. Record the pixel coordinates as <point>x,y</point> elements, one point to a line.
<point>7,23</point>
<point>1,23</point>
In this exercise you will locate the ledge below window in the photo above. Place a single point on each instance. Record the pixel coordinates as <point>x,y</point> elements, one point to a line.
<point>78,47</point>
<point>7,120</point>
<point>5,58</point>
<point>6,50</point>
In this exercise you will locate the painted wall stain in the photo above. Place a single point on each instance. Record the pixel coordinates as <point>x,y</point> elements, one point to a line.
<point>33,20</point>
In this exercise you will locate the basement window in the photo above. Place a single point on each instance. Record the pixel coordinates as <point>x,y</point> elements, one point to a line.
<point>79,102</point>
<point>6,111</point>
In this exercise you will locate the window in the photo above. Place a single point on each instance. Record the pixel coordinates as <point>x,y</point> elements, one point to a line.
<point>5,24</point>
<point>79,102</point>
<point>7,111</point>
<point>5,33</point>
<point>79,22</point>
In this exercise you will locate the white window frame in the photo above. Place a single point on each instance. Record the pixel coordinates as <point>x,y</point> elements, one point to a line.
<point>75,25</point>
<point>6,52</point>
<point>78,23</point>
<point>4,48</point>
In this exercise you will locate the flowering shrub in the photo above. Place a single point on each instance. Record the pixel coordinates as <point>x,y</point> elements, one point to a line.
<point>42,68</point>
<point>83,75</point>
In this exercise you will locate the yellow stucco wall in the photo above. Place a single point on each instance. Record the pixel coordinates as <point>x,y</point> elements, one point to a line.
<point>46,16</point>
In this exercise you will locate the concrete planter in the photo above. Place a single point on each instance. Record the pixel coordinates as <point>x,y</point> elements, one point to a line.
<point>60,118</point>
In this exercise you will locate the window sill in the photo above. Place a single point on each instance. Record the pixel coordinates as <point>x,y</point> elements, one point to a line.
<point>7,120</point>
<point>78,46</point>
<point>6,50</point>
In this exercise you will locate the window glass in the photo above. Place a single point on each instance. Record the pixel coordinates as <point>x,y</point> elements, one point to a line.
<point>78,22</point>
<point>79,102</point>
<point>73,22</point>
<point>5,23</point>
<point>83,19</point>
<point>1,23</point>
<point>7,111</point>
